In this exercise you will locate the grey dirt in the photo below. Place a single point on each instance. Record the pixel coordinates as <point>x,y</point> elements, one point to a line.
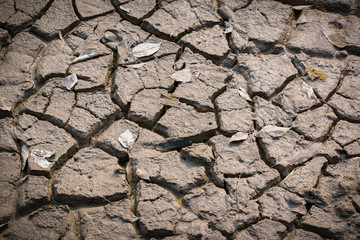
<point>234,119</point>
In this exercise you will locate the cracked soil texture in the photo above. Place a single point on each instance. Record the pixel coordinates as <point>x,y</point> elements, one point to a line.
<point>244,124</point>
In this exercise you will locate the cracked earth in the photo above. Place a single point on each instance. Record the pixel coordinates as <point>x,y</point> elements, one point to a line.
<point>246,121</point>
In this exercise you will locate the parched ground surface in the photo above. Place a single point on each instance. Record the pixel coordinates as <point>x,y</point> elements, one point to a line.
<point>246,121</point>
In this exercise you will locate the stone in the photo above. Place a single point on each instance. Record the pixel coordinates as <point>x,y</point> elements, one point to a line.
<point>90,176</point>
<point>82,124</point>
<point>32,8</point>
<point>108,140</point>
<point>59,17</point>
<point>54,62</point>
<point>353,149</point>
<point>266,74</point>
<point>32,193</point>
<point>36,104</point>
<point>179,17</point>
<point>345,133</point>
<point>50,222</point>
<point>60,106</point>
<point>146,107</point>
<point>147,142</point>
<point>265,229</point>
<point>18,22</point>
<point>230,105</point>
<point>190,225</point>
<point>8,8</point>
<point>7,202</point>
<point>275,205</point>
<point>98,103</point>
<point>10,171</point>
<point>99,76</point>
<point>235,159</point>
<point>186,122</point>
<point>158,210</point>
<point>7,139</point>
<point>114,221</point>
<point>269,114</point>
<point>331,151</point>
<point>297,96</point>
<point>309,36</point>
<point>26,121</point>
<point>331,68</point>
<point>13,95</point>
<point>300,234</point>
<point>136,10</point>
<point>168,170</point>
<point>315,124</point>
<point>288,151</point>
<point>213,205</point>
<point>265,29</point>
<point>305,177</point>
<point>26,43</point>
<point>199,153</point>
<point>347,98</point>
<point>89,9</point>
<point>45,136</point>
<point>242,190</point>
<point>210,41</point>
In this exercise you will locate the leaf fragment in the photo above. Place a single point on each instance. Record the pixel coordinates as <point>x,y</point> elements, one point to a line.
<point>70,81</point>
<point>275,131</point>
<point>145,49</point>
<point>239,136</point>
<point>24,156</point>
<point>41,157</point>
<point>335,38</point>
<point>244,94</point>
<point>183,75</point>
<point>143,174</point>
<point>127,139</point>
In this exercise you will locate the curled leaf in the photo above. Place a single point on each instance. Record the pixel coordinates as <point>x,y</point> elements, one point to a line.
<point>184,75</point>
<point>126,139</point>
<point>301,7</point>
<point>239,136</point>
<point>335,38</point>
<point>145,49</point>
<point>41,157</point>
<point>24,156</point>
<point>70,81</point>
<point>244,94</point>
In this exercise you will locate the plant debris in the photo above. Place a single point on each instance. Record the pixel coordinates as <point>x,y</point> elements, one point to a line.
<point>244,94</point>
<point>70,81</point>
<point>335,38</point>
<point>239,136</point>
<point>275,131</point>
<point>24,156</point>
<point>145,49</point>
<point>41,157</point>
<point>127,139</point>
<point>316,74</point>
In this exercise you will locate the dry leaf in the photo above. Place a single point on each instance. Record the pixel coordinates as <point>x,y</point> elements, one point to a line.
<point>183,76</point>
<point>126,139</point>
<point>239,136</point>
<point>70,81</point>
<point>335,38</point>
<point>143,174</point>
<point>275,131</point>
<point>24,156</point>
<point>311,93</point>
<point>145,49</point>
<point>301,7</point>
<point>40,157</point>
<point>244,94</point>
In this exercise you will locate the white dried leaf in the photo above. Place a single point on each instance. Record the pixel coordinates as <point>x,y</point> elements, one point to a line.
<point>5,104</point>
<point>239,136</point>
<point>301,20</point>
<point>70,81</point>
<point>275,131</point>
<point>126,139</point>
<point>335,38</point>
<point>85,56</point>
<point>229,28</point>
<point>301,7</point>
<point>40,157</point>
<point>183,76</point>
<point>124,9</point>
<point>145,49</point>
<point>244,94</point>
<point>310,93</point>
<point>143,174</point>
<point>24,156</point>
